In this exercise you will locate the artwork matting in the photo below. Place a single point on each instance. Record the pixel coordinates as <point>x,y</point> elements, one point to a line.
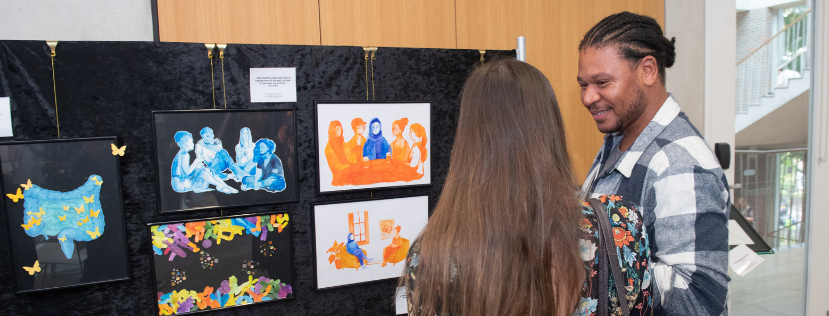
<point>390,112</point>
<point>409,211</point>
<point>279,260</point>
<point>215,185</point>
<point>77,177</point>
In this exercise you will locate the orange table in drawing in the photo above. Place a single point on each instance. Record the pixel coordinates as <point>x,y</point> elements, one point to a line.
<point>375,171</point>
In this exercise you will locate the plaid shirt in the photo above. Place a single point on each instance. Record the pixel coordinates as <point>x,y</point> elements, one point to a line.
<point>672,174</point>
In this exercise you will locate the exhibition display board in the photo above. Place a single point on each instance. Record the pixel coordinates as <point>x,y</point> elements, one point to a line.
<point>106,89</point>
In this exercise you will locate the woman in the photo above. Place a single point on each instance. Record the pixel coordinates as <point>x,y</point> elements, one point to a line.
<point>509,235</point>
<point>335,149</point>
<point>377,147</point>
<point>418,153</point>
<point>269,174</point>
<point>399,147</point>
<point>244,151</point>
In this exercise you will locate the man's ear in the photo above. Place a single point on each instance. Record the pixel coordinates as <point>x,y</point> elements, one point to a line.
<point>649,70</point>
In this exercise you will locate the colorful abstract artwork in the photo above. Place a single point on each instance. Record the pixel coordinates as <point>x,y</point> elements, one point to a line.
<point>373,145</point>
<point>363,241</point>
<point>223,158</point>
<point>64,212</point>
<point>221,262</point>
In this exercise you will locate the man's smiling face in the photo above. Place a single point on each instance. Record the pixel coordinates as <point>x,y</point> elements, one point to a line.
<point>609,88</point>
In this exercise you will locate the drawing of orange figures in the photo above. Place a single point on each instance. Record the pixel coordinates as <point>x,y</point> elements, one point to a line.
<point>349,254</point>
<point>397,250</point>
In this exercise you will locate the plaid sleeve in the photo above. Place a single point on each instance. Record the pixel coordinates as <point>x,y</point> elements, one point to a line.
<point>690,201</point>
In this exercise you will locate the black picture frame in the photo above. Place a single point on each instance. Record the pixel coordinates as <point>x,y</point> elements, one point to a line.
<point>91,171</point>
<point>277,125</point>
<point>378,259</point>
<point>760,246</point>
<point>283,266</point>
<point>319,148</point>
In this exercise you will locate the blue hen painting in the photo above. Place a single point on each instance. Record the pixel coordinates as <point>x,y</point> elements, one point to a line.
<point>70,216</point>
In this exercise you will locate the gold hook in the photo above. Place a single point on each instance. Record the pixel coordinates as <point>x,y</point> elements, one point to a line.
<point>222,50</point>
<point>52,46</point>
<point>482,55</point>
<point>210,48</point>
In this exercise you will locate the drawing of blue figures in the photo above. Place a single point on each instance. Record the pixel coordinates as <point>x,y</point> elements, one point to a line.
<point>376,146</point>
<point>269,174</point>
<point>70,216</point>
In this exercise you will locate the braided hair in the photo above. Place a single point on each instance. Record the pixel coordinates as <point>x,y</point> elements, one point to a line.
<point>636,35</point>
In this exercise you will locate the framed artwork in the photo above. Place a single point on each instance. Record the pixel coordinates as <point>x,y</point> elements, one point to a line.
<point>210,159</point>
<point>62,200</point>
<point>369,145</point>
<point>221,262</point>
<point>364,241</point>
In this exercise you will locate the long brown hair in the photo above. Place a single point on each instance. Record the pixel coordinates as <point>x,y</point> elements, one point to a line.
<point>503,239</point>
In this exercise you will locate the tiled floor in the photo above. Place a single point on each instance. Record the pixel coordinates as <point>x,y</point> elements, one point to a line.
<point>775,287</point>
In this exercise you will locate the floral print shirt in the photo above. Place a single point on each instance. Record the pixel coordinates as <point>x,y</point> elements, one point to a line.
<point>632,250</point>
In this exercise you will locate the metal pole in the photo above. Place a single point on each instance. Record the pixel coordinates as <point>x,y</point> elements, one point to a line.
<point>521,49</point>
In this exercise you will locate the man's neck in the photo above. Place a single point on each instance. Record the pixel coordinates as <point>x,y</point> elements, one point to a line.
<point>631,133</point>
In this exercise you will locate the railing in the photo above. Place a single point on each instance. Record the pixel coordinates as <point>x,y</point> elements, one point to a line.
<point>780,58</point>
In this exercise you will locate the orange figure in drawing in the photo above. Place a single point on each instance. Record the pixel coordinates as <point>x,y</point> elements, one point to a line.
<point>399,147</point>
<point>335,149</point>
<point>397,250</point>
<point>354,147</point>
<point>418,153</point>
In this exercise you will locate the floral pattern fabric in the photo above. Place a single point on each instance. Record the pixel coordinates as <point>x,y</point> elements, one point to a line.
<point>632,250</point>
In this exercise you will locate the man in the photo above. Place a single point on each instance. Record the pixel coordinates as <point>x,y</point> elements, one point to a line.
<point>217,160</point>
<point>654,157</point>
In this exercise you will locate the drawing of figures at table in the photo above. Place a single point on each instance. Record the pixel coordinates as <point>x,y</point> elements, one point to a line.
<point>256,166</point>
<point>372,158</point>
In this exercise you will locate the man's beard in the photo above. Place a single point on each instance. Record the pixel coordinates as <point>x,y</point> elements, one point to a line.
<point>634,111</point>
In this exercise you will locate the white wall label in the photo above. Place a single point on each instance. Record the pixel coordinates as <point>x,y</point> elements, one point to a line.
<point>401,305</point>
<point>273,84</point>
<point>743,260</point>
<point>5,118</point>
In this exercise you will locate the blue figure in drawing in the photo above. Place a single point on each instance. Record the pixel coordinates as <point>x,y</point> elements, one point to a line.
<point>269,174</point>
<point>210,150</point>
<point>354,249</point>
<point>70,216</point>
<point>244,152</point>
<point>376,146</point>
<point>194,176</point>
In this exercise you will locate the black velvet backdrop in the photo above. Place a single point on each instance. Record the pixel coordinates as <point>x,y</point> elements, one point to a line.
<point>109,89</point>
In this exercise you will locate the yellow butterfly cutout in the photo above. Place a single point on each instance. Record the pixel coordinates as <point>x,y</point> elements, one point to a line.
<point>94,234</point>
<point>79,209</point>
<point>66,207</point>
<point>35,268</point>
<point>27,226</point>
<point>94,213</point>
<point>62,238</point>
<point>118,151</point>
<point>90,199</point>
<point>41,213</point>
<point>16,197</point>
<point>79,223</point>
<point>98,182</point>
<point>62,218</point>
<point>85,219</point>
<point>27,185</point>
<point>36,221</point>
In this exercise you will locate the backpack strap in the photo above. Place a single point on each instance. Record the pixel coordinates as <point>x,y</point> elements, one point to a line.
<point>606,251</point>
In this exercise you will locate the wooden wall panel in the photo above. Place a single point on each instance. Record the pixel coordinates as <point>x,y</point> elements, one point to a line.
<point>242,22</point>
<point>553,30</point>
<point>389,23</point>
